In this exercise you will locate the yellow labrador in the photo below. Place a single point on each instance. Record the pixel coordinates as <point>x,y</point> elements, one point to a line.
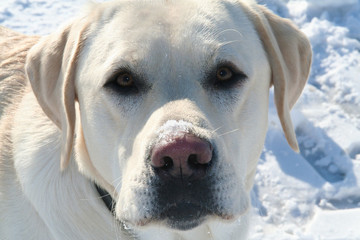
<point>162,104</point>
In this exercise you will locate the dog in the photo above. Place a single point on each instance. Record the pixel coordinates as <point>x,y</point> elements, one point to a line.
<point>143,119</point>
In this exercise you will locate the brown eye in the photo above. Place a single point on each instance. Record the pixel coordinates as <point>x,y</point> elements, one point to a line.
<point>125,80</point>
<point>224,74</point>
<point>123,83</point>
<point>227,76</point>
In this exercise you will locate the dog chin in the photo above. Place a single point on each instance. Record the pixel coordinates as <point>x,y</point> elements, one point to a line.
<point>183,224</point>
<point>173,219</point>
<point>177,224</point>
<point>184,216</point>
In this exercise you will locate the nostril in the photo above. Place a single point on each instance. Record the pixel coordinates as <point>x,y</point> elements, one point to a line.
<point>193,160</point>
<point>168,163</point>
<point>195,163</point>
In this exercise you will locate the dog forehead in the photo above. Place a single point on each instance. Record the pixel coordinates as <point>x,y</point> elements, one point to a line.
<point>169,37</point>
<point>169,11</point>
<point>174,20</point>
<point>140,25</point>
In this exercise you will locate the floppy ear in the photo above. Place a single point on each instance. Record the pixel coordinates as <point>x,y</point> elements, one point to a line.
<point>289,54</point>
<point>50,67</point>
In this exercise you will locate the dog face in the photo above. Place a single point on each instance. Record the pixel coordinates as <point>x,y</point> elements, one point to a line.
<point>173,100</point>
<point>153,82</point>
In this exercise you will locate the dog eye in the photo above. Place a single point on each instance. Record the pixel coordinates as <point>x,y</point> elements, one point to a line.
<point>125,80</point>
<point>227,77</point>
<point>122,83</point>
<point>224,74</point>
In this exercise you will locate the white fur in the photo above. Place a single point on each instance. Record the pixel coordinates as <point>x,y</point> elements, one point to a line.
<point>171,45</point>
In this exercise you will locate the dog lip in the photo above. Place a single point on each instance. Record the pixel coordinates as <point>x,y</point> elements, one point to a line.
<point>184,225</point>
<point>183,207</point>
<point>180,216</point>
<point>184,215</point>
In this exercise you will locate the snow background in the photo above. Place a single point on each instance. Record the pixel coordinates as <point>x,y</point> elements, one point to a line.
<point>312,195</point>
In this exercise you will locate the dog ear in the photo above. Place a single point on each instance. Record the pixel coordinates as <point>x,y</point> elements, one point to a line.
<point>51,68</point>
<point>289,54</point>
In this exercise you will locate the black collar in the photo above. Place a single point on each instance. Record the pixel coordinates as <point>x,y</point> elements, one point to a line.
<point>106,197</point>
<point>110,204</point>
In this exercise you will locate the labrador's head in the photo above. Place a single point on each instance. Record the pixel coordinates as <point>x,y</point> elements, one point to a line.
<point>173,102</point>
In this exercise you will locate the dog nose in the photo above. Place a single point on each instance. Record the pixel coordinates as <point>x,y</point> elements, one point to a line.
<point>185,156</point>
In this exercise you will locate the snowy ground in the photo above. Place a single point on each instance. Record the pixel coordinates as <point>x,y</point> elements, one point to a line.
<point>312,195</point>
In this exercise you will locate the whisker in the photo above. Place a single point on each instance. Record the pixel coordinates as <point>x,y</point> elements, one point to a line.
<point>232,131</point>
<point>223,40</point>
<point>229,30</point>
<point>213,131</point>
<point>227,43</point>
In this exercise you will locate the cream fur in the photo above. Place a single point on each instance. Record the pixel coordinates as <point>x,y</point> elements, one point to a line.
<point>61,130</point>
